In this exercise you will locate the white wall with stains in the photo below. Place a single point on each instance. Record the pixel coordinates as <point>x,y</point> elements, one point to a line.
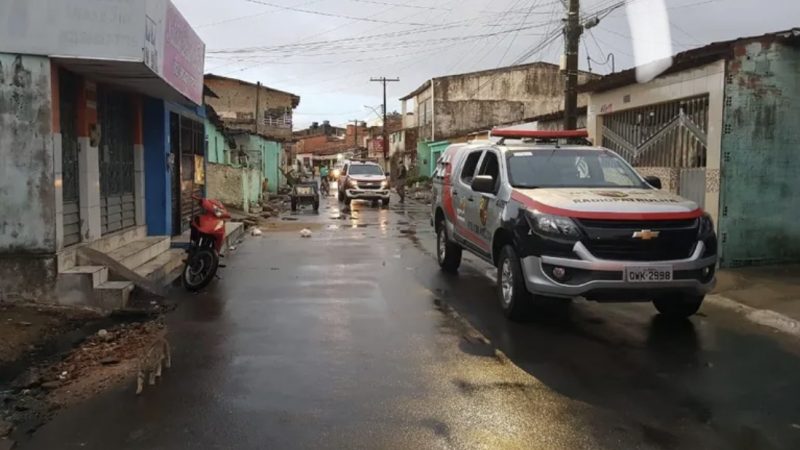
<point>27,175</point>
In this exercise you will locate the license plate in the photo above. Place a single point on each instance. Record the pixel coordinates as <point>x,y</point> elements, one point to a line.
<point>648,274</point>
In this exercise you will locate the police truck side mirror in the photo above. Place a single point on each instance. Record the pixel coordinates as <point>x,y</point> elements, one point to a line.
<point>483,184</point>
<point>653,181</point>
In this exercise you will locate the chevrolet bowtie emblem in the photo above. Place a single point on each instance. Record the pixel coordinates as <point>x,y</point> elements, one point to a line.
<point>646,235</point>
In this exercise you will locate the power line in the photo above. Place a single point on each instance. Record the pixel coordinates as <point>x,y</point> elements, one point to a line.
<point>250,16</point>
<point>514,39</point>
<point>496,44</point>
<point>301,42</point>
<point>375,2</point>
<point>339,16</point>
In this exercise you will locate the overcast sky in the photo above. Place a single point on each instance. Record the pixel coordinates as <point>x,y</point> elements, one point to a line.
<point>325,51</point>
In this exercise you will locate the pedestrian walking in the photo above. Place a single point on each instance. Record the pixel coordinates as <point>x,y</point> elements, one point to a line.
<point>400,177</point>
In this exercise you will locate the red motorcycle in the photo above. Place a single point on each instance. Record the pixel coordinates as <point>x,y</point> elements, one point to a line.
<point>206,239</point>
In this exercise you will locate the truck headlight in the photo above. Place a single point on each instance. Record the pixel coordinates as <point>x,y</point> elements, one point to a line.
<point>706,226</point>
<point>550,225</point>
<point>352,184</point>
<point>384,184</point>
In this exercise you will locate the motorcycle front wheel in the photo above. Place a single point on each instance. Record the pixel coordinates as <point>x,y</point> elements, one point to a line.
<point>201,266</point>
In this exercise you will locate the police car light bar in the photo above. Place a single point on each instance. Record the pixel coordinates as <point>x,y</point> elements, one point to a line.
<point>539,134</point>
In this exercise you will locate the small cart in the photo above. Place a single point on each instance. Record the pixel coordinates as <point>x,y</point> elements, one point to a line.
<point>305,192</point>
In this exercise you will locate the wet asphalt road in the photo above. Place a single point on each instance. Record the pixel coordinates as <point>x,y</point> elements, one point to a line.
<point>354,339</point>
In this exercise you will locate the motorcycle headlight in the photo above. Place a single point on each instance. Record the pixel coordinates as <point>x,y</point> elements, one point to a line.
<point>550,225</point>
<point>217,212</point>
<point>706,225</point>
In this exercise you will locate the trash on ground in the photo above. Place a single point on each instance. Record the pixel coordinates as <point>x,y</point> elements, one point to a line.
<point>305,232</point>
<point>256,232</point>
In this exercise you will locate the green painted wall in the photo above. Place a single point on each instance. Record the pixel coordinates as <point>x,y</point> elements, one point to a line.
<point>427,154</point>
<point>760,178</point>
<point>270,154</point>
<point>272,161</point>
<point>217,148</point>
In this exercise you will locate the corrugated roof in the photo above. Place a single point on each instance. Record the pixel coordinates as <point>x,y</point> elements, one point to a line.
<point>688,59</point>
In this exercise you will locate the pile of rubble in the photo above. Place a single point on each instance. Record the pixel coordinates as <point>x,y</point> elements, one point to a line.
<point>421,192</point>
<point>102,361</point>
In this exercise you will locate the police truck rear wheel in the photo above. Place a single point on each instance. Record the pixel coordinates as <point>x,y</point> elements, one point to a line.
<point>448,254</point>
<point>515,300</point>
<point>678,306</point>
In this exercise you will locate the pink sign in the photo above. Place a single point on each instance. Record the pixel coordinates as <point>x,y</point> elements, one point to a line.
<point>184,56</point>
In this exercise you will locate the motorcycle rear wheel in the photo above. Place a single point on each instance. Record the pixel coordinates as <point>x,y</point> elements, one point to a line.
<point>200,269</point>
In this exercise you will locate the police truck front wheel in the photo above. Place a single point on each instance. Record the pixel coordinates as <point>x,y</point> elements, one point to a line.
<point>448,254</point>
<point>678,306</point>
<point>515,300</point>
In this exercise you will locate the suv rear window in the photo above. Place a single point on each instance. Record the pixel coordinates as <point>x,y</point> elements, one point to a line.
<point>365,169</point>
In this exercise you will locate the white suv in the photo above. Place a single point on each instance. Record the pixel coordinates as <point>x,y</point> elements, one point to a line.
<point>363,180</point>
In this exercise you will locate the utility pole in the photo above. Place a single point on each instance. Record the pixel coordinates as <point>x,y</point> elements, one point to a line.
<point>572,37</point>
<point>258,105</point>
<point>355,130</point>
<point>385,80</point>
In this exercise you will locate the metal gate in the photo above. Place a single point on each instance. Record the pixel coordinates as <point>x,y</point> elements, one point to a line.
<point>672,134</point>
<point>117,200</point>
<point>188,142</point>
<point>68,89</point>
<point>692,185</point>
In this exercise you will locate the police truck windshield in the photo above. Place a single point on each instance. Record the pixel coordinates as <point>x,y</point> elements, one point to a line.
<point>570,168</point>
<point>365,169</point>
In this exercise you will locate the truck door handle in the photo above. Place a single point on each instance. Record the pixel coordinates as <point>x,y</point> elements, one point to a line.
<point>469,199</point>
<point>455,194</point>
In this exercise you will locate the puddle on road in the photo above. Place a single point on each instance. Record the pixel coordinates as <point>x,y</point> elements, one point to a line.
<point>290,226</point>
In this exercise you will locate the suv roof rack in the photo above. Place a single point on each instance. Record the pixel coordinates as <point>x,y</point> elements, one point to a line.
<point>540,135</point>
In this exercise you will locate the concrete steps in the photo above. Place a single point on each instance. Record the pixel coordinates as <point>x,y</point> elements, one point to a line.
<point>90,286</point>
<point>106,273</point>
<point>136,253</point>
<point>164,268</point>
<point>107,278</point>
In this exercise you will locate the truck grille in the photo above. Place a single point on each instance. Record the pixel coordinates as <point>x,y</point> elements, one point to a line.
<point>614,240</point>
<point>370,186</point>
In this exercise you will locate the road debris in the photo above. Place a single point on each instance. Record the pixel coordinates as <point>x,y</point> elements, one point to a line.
<point>5,428</point>
<point>104,335</point>
<point>105,358</point>
<point>305,233</point>
<point>256,232</point>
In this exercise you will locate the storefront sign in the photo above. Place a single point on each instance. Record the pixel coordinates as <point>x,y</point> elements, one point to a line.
<point>184,56</point>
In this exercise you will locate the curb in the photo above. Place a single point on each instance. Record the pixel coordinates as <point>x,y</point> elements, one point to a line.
<point>763,317</point>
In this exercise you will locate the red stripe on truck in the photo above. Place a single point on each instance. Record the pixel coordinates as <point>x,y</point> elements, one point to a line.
<point>602,215</point>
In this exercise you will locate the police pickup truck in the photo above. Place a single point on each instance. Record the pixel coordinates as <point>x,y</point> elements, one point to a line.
<point>567,221</point>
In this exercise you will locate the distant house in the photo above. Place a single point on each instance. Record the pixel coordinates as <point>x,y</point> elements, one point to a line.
<point>719,126</point>
<point>257,120</point>
<point>253,107</point>
<point>455,106</point>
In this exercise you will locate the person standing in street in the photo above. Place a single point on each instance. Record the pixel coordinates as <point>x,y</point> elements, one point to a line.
<point>325,183</point>
<point>400,178</point>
